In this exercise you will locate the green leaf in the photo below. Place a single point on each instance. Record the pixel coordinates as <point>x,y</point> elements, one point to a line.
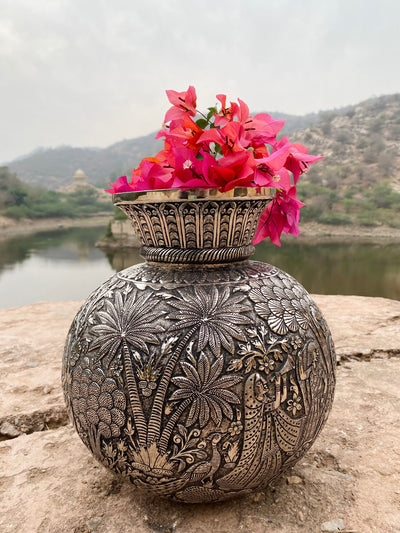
<point>211,112</point>
<point>202,123</point>
<point>218,149</point>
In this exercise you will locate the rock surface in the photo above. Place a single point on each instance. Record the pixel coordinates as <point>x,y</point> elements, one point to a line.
<point>49,482</point>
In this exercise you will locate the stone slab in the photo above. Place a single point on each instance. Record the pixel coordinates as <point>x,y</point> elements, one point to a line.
<point>49,482</point>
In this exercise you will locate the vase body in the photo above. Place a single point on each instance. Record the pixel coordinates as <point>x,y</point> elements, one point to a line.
<point>199,375</point>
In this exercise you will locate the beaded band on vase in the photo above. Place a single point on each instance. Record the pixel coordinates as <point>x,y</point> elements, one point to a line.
<point>196,231</point>
<point>209,256</point>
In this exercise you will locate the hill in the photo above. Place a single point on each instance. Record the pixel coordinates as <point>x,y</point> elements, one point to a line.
<point>358,180</point>
<point>54,167</point>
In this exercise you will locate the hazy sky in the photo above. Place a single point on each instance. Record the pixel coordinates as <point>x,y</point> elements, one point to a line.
<point>93,72</point>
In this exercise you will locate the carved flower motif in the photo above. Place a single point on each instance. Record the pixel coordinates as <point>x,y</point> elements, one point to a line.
<point>294,404</point>
<point>235,428</point>
<point>206,390</point>
<point>215,314</point>
<point>97,401</point>
<point>267,366</point>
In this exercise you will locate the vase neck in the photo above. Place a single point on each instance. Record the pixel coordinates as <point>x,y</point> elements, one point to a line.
<point>190,256</point>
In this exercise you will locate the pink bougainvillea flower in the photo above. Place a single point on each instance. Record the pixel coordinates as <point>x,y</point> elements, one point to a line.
<point>230,137</point>
<point>186,168</point>
<point>281,215</point>
<point>262,129</point>
<point>291,205</point>
<point>241,162</point>
<point>223,177</point>
<point>226,114</point>
<point>182,133</point>
<point>234,135</point>
<point>234,170</point>
<point>153,173</point>
<point>161,158</point>
<point>279,179</point>
<point>154,176</point>
<point>299,160</point>
<point>192,169</point>
<point>182,104</point>
<point>212,135</point>
<point>270,172</point>
<point>121,185</point>
<point>244,111</point>
<point>271,224</point>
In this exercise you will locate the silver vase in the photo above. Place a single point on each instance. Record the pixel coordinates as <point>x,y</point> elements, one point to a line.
<point>198,375</point>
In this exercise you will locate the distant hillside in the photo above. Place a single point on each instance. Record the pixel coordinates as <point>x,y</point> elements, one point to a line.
<point>54,167</point>
<point>361,147</point>
<point>358,181</point>
<point>20,200</point>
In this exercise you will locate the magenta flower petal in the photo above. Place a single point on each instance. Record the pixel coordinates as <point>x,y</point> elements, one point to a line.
<point>121,185</point>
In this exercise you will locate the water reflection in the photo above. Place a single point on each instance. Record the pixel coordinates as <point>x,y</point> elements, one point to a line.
<point>365,269</point>
<point>66,265</point>
<point>121,259</point>
<point>51,266</point>
<point>75,244</point>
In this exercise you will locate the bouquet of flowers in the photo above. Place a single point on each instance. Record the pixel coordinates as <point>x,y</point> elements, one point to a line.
<point>223,149</point>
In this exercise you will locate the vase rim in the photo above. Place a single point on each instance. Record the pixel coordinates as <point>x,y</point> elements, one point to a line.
<point>165,195</point>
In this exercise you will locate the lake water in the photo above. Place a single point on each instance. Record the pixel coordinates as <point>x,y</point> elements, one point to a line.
<point>65,265</point>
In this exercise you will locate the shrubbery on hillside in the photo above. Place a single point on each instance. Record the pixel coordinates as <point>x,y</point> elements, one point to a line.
<point>373,206</point>
<point>18,200</point>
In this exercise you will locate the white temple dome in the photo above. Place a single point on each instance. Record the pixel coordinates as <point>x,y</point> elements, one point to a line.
<point>80,175</point>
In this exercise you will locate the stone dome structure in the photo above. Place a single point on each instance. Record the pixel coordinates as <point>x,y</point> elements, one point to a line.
<point>80,177</point>
<point>79,181</point>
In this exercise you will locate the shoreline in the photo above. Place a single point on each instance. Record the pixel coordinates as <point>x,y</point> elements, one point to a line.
<point>346,233</point>
<point>10,228</point>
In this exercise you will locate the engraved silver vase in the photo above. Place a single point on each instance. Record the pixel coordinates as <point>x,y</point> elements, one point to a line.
<point>198,375</point>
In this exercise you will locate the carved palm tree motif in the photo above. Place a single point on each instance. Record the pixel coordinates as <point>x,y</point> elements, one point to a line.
<point>126,327</point>
<point>131,321</point>
<point>124,324</point>
<point>216,315</point>
<point>205,391</point>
